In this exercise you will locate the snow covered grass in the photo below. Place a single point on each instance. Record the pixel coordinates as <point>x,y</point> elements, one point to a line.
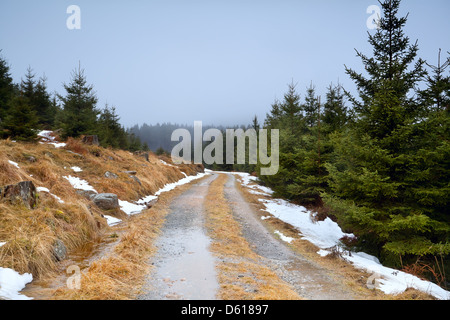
<point>79,184</point>
<point>15,164</point>
<point>250,182</point>
<point>283,237</point>
<point>11,282</point>
<point>112,221</point>
<point>186,179</point>
<point>49,139</point>
<point>43,189</point>
<point>326,235</point>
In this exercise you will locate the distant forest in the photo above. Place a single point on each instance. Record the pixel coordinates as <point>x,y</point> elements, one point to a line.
<point>158,136</point>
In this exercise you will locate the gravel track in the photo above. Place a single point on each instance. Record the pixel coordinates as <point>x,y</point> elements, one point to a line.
<point>185,267</point>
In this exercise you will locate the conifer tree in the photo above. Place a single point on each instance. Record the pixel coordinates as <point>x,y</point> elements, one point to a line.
<point>311,106</point>
<point>46,110</point>
<point>335,114</point>
<point>6,92</point>
<point>21,121</point>
<point>379,164</point>
<point>79,113</point>
<point>109,130</point>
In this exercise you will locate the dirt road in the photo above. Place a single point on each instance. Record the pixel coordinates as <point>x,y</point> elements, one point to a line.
<point>185,268</point>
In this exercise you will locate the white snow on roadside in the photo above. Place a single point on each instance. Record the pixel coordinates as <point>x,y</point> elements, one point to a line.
<point>131,208</point>
<point>146,199</point>
<point>76,169</point>
<point>15,164</point>
<point>79,184</point>
<point>187,179</point>
<point>326,234</point>
<point>112,220</point>
<point>250,182</point>
<point>43,189</point>
<point>283,237</point>
<point>140,205</point>
<point>11,282</point>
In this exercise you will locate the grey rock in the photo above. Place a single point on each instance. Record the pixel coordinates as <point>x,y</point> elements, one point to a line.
<point>76,154</point>
<point>136,179</point>
<point>23,192</point>
<point>106,201</point>
<point>88,194</point>
<point>111,175</point>
<point>59,250</point>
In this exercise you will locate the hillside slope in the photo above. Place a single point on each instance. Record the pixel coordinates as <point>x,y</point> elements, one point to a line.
<point>33,238</point>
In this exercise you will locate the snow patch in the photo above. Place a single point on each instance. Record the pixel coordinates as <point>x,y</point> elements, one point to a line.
<point>112,220</point>
<point>76,169</point>
<point>43,189</point>
<point>283,237</point>
<point>11,282</point>
<point>180,182</point>
<point>250,182</point>
<point>131,208</point>
<point>79,184</point>
<point>15,164</point>
<point>2,244</point>
<point>166,164</point>
<point>49,139</point>
<point>46,134</point>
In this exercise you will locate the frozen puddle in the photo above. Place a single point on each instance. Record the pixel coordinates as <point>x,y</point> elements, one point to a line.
<point>184,265</point>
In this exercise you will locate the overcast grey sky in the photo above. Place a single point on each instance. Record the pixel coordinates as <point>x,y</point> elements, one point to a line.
<point>218,61</point>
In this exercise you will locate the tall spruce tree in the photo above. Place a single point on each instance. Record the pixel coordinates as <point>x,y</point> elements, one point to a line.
<point>335,114</point>
<point>79,112</point>
<point>378,163</point>
<point>311,106</point>
<point>42,102</point>
<point>6,93</point>
<point>109,130</point>
<point>21,121</point>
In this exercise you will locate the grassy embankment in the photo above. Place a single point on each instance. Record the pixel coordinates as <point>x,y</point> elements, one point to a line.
<point>30,234</point>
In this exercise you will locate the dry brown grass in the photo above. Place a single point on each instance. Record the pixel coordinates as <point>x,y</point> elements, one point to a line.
<point>30,234</point>
<point>242,276</point>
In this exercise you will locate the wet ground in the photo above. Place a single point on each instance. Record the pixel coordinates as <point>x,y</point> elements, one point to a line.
<point>184,265</point>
